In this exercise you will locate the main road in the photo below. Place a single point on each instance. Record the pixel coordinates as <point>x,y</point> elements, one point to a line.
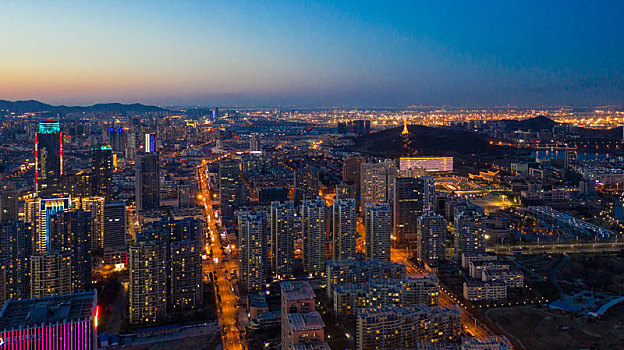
<point>221,267</point>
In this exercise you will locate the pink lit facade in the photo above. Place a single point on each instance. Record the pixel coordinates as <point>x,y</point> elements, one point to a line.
<point>78,335</point>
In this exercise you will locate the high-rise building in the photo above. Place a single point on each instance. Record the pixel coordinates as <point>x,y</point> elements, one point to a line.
<point>58,322</point>
<point>77,185</point>
<point>117,138</point>
<point>101,171</point>
<point>351,170</point>
<point>150,143</point>
<point>48,157</point>
<point>282,238</point>
<point>313,213</point>
<point>50,273</point>
<point>469,233</point>
<point>95,206</point>
<point>45,208</point>
<point>431,237</point>
<point>377,182</point>
<point>14,252</point>
<point>412,198</point>
<point>186,287</point>
<point>71,231</point>
<point>230,192</point>
<point>378,231</point>
<point>147,181</point>
<point>148,282</point>
<point>344,228</point>
<point>252,238</point>
<point>115,226</point>
<point>306,184</point>
<point>9,206</point>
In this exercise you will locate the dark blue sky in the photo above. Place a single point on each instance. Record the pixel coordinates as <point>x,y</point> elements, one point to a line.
<point>345,53</point>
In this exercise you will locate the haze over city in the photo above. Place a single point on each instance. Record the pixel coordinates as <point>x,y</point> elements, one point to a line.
<point>314,53</point>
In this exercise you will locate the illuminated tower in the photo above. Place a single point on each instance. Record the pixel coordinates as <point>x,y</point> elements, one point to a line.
<point>405,131</point>
<point>431,237</point>
<point>282,235</point>
<point>48,157</point>
<point>147,181</point>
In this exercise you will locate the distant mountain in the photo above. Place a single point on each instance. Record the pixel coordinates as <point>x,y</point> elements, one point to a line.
<point>32,106</point>
<point>535,124</point>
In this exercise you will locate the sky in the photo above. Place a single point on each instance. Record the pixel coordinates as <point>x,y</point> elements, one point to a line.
<point>314,53</point>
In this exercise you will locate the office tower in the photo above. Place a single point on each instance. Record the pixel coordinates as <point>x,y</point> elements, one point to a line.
<point>282,238</point>
<point>313,213</point>
<point>101,171</point>
<point>150,143</point>
<point>412,198</point>
<point>377,182</point>
<point>378,231</point>
<point>469,233</point>
<point>391,327</point>
<point>254,143</point>
<point>147,181</point>
<point>44,210</point>
<point>114,240</point>
<point>252,239</point>
<point>186,287</point>
<point>185,196</point>
<point>117,138</point>
<point>306,184</point>
<point>148,282</point>
<point>431,237</point>
<point>14,254</point>
<point>229,188</point>
<point>71,231</point>
<point>9,206</point>
<point>50,273</point>
<point>57,322</point>
<point>344,228</point>
<point>48,157</point>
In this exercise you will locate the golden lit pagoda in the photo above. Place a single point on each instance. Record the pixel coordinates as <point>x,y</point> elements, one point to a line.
<point>405,131</point>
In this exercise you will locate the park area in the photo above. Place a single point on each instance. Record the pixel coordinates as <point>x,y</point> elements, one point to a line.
<point>555,330</point>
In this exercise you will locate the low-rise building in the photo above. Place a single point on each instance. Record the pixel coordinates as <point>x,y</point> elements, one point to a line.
<point>475,268</point>
<point>511,278</point>
<point>467,258</point>
<point>477,290</point>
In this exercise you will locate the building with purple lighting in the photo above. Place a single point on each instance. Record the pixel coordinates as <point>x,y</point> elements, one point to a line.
<point>60,322</point>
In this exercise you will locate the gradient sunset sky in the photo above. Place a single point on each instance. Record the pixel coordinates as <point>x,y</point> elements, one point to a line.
<point>313,53</point>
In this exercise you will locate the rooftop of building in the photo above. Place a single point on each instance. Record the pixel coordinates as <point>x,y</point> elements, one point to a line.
<point>308,321</point>
<point>297,290</point>
<point>312,346</point>
<point>29,312</point>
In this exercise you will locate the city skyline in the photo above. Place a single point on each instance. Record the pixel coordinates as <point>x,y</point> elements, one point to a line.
<point>314,53</point>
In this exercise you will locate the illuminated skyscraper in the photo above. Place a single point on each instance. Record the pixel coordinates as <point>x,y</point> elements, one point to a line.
<point>147,181</point>
<point>9,206</point>
<point>48,157</point>
<point>431,237</point>
<point>44,210</point>
<point>378,231</point>
<point>469,233</point>
<point>114,237</point>
<point>117,138</point>
<point>101,171</point>
<point>282,238</point>
<point>150,143</point>
<point>343,228</point>
<point>186,275</point>
<point>313,213</point>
